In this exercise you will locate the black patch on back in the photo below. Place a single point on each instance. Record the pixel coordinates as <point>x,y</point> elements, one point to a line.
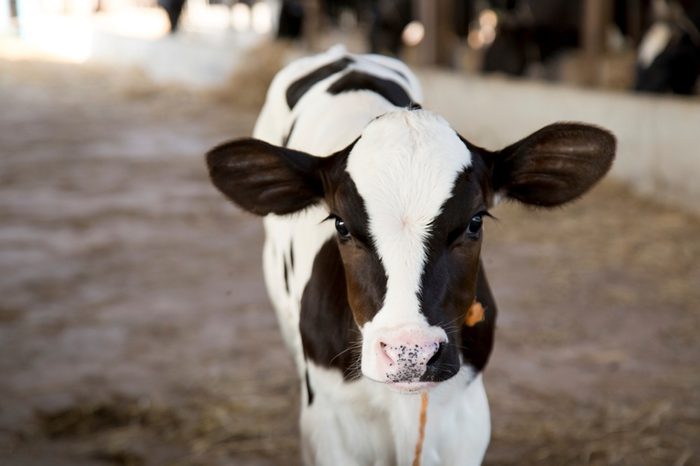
<point>357,81</point>
<point>285,140</point>
<point>309,390</point>
<point>286,282</point>
<point>298,88</point>
<point>291,255</point>
<point>393,70</point>
<point>405,78</point>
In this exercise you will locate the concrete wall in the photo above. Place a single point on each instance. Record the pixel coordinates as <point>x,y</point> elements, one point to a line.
<point>658,137</point>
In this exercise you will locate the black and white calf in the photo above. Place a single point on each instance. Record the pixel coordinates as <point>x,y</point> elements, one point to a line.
<point>372,251</point>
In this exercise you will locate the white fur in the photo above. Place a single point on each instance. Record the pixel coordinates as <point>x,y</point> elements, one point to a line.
<point>404,166</point>
<point>363,422</point>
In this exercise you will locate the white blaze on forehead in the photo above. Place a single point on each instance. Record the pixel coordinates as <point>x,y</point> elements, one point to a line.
<point>404,167</point>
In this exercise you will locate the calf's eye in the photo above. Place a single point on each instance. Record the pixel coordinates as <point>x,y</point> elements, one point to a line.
<point>474,227</point>
<point>341,228</point>
<point>471,231</point>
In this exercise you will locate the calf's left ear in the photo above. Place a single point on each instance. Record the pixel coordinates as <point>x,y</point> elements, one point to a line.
<point>263,178</point>
<point>554,165</point>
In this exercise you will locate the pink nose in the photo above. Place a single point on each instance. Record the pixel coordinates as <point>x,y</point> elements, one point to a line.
<point>405,354</point>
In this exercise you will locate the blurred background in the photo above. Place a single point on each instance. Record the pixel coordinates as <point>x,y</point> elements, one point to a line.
<point>134,325</point>
<point>646,45</point>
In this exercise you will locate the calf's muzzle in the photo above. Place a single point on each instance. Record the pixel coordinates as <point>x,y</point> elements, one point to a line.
<point>405,354</point>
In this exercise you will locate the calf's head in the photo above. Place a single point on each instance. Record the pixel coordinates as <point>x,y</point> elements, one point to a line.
<point>408,199</point>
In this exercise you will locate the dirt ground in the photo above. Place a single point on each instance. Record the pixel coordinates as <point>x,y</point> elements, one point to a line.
<point>135,330</point>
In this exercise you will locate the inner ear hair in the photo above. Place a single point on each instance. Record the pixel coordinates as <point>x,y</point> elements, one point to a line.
<point>263,178</point>
<point>554,165</point>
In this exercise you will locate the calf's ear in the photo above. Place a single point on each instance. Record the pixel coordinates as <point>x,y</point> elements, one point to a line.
<point>262,178</point>
<point>554,165</point>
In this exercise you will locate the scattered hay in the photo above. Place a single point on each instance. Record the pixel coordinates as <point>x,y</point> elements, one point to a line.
<point>247,86</point>
<point>120,458</point>
<point>255,421</point>
<point>256,418</point>
<point>10,314</point>
<point>568,432</point>
<point>81,420</point>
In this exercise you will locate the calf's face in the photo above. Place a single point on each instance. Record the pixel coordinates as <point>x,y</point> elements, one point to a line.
<point>408,199</point>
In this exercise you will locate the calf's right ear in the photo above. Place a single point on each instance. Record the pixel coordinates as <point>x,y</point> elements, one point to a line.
<point>263,179</point>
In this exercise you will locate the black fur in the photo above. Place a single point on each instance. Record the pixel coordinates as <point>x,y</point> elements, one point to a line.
<point>357,80</point>
<point>298,88</point>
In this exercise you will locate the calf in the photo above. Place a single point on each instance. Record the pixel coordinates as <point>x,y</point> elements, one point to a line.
<point>669,54</point>
<point>372,250</point>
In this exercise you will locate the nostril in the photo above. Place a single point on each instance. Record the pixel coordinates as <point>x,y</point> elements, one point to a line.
<point>384,353</point>
<point>434,358</point>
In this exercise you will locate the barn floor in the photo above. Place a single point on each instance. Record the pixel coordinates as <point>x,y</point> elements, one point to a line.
<point>135,330</point>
